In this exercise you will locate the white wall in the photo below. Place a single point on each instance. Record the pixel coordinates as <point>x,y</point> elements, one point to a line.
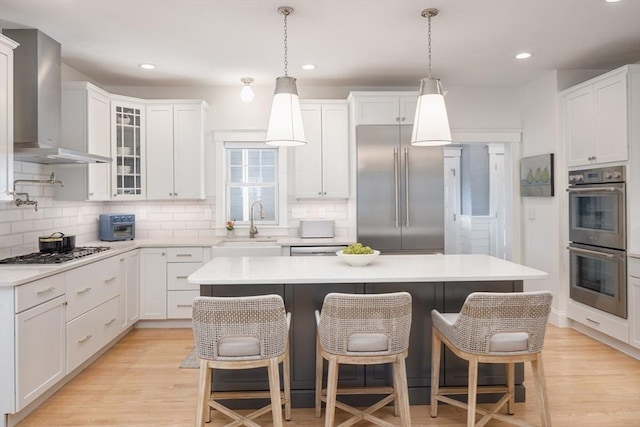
<point>541,236</point>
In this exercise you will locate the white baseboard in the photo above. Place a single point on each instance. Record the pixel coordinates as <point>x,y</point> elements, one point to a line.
<point>170,323</point>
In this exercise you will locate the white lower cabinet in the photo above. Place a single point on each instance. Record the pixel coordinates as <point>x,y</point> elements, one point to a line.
<point>633,301</point>
<point>88,333</point>
<point>153,283</point>
<point>606,323</point>
<point>40,350</point>
<point>165,292</point>
<point>91,285</point>
<point>129,288</point>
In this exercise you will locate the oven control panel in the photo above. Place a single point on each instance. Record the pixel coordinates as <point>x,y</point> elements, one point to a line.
<point>597,176</point>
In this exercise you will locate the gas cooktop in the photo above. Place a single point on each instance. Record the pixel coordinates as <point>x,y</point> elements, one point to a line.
<point>55,257</point>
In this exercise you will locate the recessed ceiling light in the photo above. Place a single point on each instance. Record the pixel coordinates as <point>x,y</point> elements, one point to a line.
<point>147,66</point>
<point>523,55</point>
<point>308,67</point>
<point>612,1</point>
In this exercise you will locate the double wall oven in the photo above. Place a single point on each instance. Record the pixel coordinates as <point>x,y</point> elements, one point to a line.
<point>598,242</point>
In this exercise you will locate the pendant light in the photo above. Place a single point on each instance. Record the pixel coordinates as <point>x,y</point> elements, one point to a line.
<point>285,121</point>
<point>246,94</point>
<point>431,124</point>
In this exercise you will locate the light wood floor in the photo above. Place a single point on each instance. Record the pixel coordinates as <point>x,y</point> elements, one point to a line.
<point>138,383</point>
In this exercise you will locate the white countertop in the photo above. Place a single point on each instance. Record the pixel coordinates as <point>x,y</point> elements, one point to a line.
<point>385,268</point>
<point>18,274</point>
<point>633,254</point>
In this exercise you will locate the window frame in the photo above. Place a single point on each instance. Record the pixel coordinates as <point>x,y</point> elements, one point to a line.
<point>219,139</point>
<point>228,185</point>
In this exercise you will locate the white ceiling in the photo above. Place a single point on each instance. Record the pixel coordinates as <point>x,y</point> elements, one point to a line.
<point>352,42</point>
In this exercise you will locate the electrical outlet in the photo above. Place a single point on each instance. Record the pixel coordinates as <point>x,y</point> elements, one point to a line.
<point>531,214</point>
<point>207,214</point>
<point>321,213</point>
<point>298,213</point>
<point>143,214</point>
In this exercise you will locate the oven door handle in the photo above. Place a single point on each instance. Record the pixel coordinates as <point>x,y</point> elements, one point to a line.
<point>591,189</point>
<point>590,252</point>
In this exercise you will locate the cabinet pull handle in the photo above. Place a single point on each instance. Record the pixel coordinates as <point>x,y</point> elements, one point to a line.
<point>110,321</point>
<point>181,277</point>
<point>46,291</point>
<point>184,255</point>
<point>184,305</point>
<point>86,337</point>
<point>109,279</point>
<point>406,186</point>
<point>83,291</point>
<point>396,183</point>
<point>593,321</point>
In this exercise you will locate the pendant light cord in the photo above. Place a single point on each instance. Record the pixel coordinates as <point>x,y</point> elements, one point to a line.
<point>429,43</point>
<point>286,49</point>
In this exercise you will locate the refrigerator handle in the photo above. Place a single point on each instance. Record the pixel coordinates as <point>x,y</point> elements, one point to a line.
<point>395,184</point>
<point>406,186</point>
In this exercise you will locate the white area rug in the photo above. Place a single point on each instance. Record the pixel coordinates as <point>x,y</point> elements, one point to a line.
<point>191,361</point>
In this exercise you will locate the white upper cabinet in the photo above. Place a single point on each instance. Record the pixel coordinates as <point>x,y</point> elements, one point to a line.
<point>596,119</point>
<point>86,118</point>
<point>391,108</point>
<point>6,117</point>
<point>175,150</point>
<point>128,143</point>
<point>322,165</point>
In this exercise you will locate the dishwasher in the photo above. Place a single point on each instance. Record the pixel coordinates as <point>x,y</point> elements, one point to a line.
<point>316,250</point>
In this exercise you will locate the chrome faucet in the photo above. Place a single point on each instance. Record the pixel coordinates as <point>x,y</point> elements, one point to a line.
<point>252,228</point>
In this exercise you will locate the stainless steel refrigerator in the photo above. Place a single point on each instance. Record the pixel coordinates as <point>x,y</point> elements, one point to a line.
<point>400,191</point>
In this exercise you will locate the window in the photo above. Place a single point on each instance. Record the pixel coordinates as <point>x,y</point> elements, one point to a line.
<point>252,175</point>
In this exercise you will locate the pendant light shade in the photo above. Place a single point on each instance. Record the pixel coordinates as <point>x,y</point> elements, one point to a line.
<point>431,123</point>
<point>285,121</point>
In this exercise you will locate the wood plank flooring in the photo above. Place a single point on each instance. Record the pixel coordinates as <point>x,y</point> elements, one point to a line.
<point>138,383</point>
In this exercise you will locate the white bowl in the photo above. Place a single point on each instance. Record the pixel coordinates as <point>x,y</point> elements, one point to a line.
<point>124,169</point>
<point>123,151</point>
<point>358,260</point>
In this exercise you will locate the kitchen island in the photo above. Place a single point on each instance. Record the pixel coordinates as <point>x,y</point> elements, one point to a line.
<point>439,282</point>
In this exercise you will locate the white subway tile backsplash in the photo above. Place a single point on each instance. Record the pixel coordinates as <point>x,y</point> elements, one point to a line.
<point>21,226</point>
<point>10,213</point>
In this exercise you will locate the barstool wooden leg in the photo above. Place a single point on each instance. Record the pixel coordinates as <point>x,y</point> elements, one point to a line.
<point>436,351</point>
<point>286,374</point>
<point>473,391</point>
<point>204,393</point>
<point>511,381</point>
<point>332,391</point>
<point>274,388</point>
<point>319,363</point>
<point>402,391</point>
<point>538,372</point>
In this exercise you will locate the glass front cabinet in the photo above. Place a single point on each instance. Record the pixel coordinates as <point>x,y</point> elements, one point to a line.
<point>128,133</point>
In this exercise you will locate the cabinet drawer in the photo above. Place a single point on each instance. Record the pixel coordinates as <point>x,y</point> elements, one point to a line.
<point>91,285</point>
<point>179,304</point>
<point>608,324</point>
<point>185,254</point>
<point>88,333</point>
<point>633,267</point>
<point>177,274</point>
<point>39,291</point>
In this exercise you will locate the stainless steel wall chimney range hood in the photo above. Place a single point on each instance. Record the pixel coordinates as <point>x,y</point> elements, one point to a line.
<point>37,90</point>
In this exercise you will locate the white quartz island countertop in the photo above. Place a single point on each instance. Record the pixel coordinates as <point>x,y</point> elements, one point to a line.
<point>385,268</point>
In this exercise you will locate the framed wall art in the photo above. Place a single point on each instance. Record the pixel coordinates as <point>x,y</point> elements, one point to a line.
<point>536,176</point>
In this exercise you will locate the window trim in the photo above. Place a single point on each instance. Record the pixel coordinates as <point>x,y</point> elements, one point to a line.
<point>257,137</point>
<point>227,187</point>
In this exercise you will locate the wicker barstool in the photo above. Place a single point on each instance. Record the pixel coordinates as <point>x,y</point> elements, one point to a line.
<point>363,330</point>
<point>504,328</point>
<point>242,333</point>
